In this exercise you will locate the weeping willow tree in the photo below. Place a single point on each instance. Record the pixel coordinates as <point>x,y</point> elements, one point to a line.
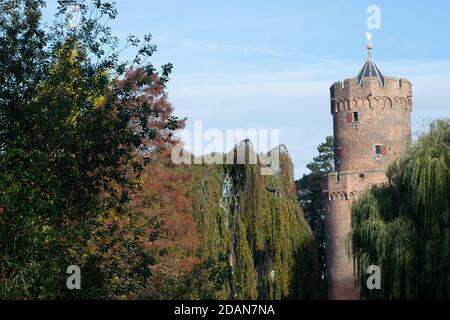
<point>403,226</point>
<point>256,242</point>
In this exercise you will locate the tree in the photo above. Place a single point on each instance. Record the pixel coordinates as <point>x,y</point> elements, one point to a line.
<point>165,212</point>
<point>310,196</point>
<point>22,66</point>
<point>324,162</point>
<point>404,227</point>
<point>254,241</point>
<point>85,178</point>
<point>77,127</point>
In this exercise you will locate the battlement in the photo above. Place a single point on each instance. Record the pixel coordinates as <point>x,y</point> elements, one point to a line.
<point>348,95</point>
<point>351,84</point>
<point>370,87</point>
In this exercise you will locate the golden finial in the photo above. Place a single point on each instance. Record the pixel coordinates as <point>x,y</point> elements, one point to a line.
<point>369,46</point>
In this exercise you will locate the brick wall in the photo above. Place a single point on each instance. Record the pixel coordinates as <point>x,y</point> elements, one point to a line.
<point>384,119</point>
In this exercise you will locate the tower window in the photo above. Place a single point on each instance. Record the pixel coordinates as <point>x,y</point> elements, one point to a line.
<point>339,153</point>
<point>353,117</point>
<point>380,151</point>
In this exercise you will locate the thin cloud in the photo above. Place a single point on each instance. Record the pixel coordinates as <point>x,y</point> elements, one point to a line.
<point>252,49</point>
<point>229,48</point>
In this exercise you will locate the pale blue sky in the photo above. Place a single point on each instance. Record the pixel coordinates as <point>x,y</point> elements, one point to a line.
<point>269,64</point>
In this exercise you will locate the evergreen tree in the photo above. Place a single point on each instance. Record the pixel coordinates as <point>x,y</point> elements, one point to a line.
<point>309,191</point>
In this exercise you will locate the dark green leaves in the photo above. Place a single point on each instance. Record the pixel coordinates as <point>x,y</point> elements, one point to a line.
<point>404,227</point>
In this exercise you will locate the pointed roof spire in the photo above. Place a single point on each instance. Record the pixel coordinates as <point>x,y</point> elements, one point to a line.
<point>370,68</point>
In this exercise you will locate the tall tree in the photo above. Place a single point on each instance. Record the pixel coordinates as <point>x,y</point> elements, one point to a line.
<point>404,226</point>
<point>75,122</point>
<point>309,191</point>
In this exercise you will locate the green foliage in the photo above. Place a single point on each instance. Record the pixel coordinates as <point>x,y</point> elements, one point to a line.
<point>207,281</point>
<point>77,127</point>
<point>324,162</point>
<point>72,121</point>
<point>403,227</point>
<point>310,196</point>
<point>255,223</point>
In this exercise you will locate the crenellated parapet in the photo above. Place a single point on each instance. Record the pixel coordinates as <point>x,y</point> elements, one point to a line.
<point>348,95</point>
<point>371,102</point>
<point>371,120</point>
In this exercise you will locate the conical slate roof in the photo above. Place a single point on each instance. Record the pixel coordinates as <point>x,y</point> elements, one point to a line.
<point>370,69</point>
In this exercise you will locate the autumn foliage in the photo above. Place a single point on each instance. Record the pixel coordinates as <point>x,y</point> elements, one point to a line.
<point>86,178</point>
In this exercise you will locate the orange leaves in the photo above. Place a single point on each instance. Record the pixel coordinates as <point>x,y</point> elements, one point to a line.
<point>163,200</point>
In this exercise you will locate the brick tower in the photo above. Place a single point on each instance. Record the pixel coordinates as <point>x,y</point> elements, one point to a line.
<point>372,128</point>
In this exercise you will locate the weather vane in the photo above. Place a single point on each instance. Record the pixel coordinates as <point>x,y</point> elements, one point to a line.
<point>369,46</point>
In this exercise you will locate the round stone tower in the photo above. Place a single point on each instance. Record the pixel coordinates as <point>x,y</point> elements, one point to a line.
<point>372,128</point>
